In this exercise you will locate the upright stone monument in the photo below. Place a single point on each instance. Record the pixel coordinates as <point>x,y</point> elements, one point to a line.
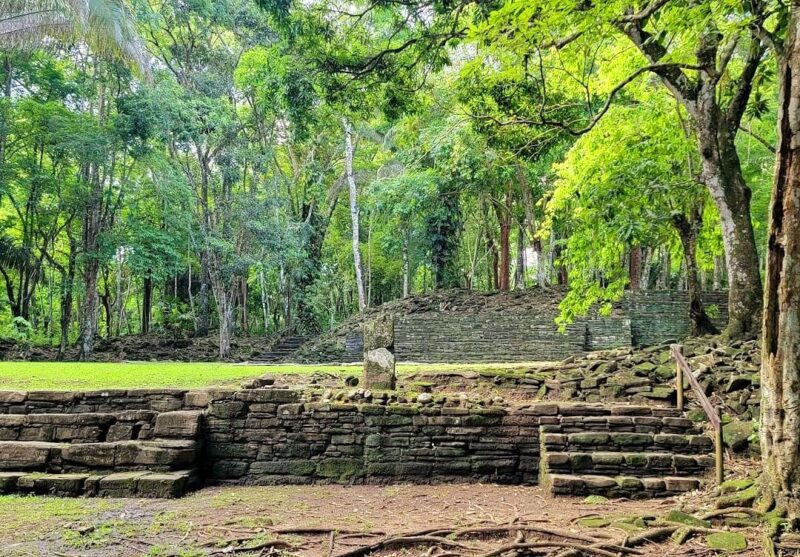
<point>379,373</point>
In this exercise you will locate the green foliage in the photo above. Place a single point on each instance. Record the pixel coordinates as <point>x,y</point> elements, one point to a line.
<point>219,182</point>
<point>618,187</point>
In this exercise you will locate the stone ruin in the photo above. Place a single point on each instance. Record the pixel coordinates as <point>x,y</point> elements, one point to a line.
<point>379,362</point>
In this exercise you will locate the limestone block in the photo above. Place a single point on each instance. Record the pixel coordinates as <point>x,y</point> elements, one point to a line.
<point>379,333</point>
<point>163,485</point>
<point>379,372</point>
<point>122,484</point>
<point>23,456</point>
<point>183,424</point>
<point>95,455</point>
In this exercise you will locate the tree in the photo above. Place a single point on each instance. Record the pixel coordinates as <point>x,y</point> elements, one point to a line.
<point>349,150</point>
<point>707,55</point>
<point>780,344</point>
<point>638,152</point>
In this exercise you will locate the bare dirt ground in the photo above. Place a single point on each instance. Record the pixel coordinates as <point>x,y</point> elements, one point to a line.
<point>298,520</point>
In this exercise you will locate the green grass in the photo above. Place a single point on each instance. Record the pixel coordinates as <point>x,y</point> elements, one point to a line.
<point>66,376</point>
<point>25,515</point>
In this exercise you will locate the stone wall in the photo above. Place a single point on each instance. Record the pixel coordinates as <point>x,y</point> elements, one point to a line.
<point>658,316</point>
<point>642,318</point>
<point>268,436</point>
<point>262,437</point>
<point>447,337</point>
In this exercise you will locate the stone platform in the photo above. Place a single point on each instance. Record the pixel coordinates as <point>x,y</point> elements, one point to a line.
<point>157,443</point>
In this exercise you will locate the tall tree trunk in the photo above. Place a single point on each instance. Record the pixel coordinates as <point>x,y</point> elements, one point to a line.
<point>67,291</point>
<point>541,260</point>
<point>665,269</point>
<point>780,346</point>
<point>226,297</point>
<point>635,268</point>
<point>647,266</point>
<point>504,218</point>
<point>147,303</point>
<point>203,318</point>
<point>406,268</point>
<point>349,151</point>
<point>492,263</point>
<point>107,304</point>
<point>243,295</point>
<point>262,283</point>
<point>91,268</point>
<point>722,175</point>
<point>519,274</point>
<point>688,230</point>
<point>118,299</point>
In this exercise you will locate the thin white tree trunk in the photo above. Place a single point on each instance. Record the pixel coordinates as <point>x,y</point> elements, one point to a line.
<point>351,181</point>
<point>264,300</point>
<point>406,268</point>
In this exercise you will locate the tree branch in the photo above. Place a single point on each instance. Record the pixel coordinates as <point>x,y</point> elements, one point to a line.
<point>740,98</point>
<point>671,74</point>
<point>645,13</point>
<point>757,137</point>
<point>543,121</point>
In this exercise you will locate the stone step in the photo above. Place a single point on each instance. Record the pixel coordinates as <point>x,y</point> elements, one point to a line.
<point>626,442</point>
<point>629,424</point>
<point>156,455</point>
<point>78,428</point>
<point>627,464</point>
<point>119,484</point>
<point>619,486</point>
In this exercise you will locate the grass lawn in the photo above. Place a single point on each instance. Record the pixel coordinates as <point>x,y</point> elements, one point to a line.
<point>65,376</point>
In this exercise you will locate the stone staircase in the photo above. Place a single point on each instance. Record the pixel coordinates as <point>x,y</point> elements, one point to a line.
<point>623,451</point>
<point>281,351</point>
<point>141,453</point>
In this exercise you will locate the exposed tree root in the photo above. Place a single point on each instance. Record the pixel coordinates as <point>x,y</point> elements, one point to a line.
<point>732,510</point>
<point>587,549</point>
<point>272,544</point>
<point>491,538</point>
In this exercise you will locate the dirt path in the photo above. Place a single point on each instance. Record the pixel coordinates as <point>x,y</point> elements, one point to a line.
<point>211,521</point>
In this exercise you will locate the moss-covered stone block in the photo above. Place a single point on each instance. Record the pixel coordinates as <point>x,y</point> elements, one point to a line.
<point>340,468</point>
<point>379,333</point>
<point>732,486</point>
<point>286,467</point>
<point>638,460</point>
<point>727,541</point>
<point>660,393</point>
<point>736,435</point>
<point>588,438</point>
<point>681,517</point>
<point>581,461</point>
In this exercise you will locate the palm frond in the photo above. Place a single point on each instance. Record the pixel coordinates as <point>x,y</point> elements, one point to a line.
<point>12,255</point>
<point>106,25</point>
